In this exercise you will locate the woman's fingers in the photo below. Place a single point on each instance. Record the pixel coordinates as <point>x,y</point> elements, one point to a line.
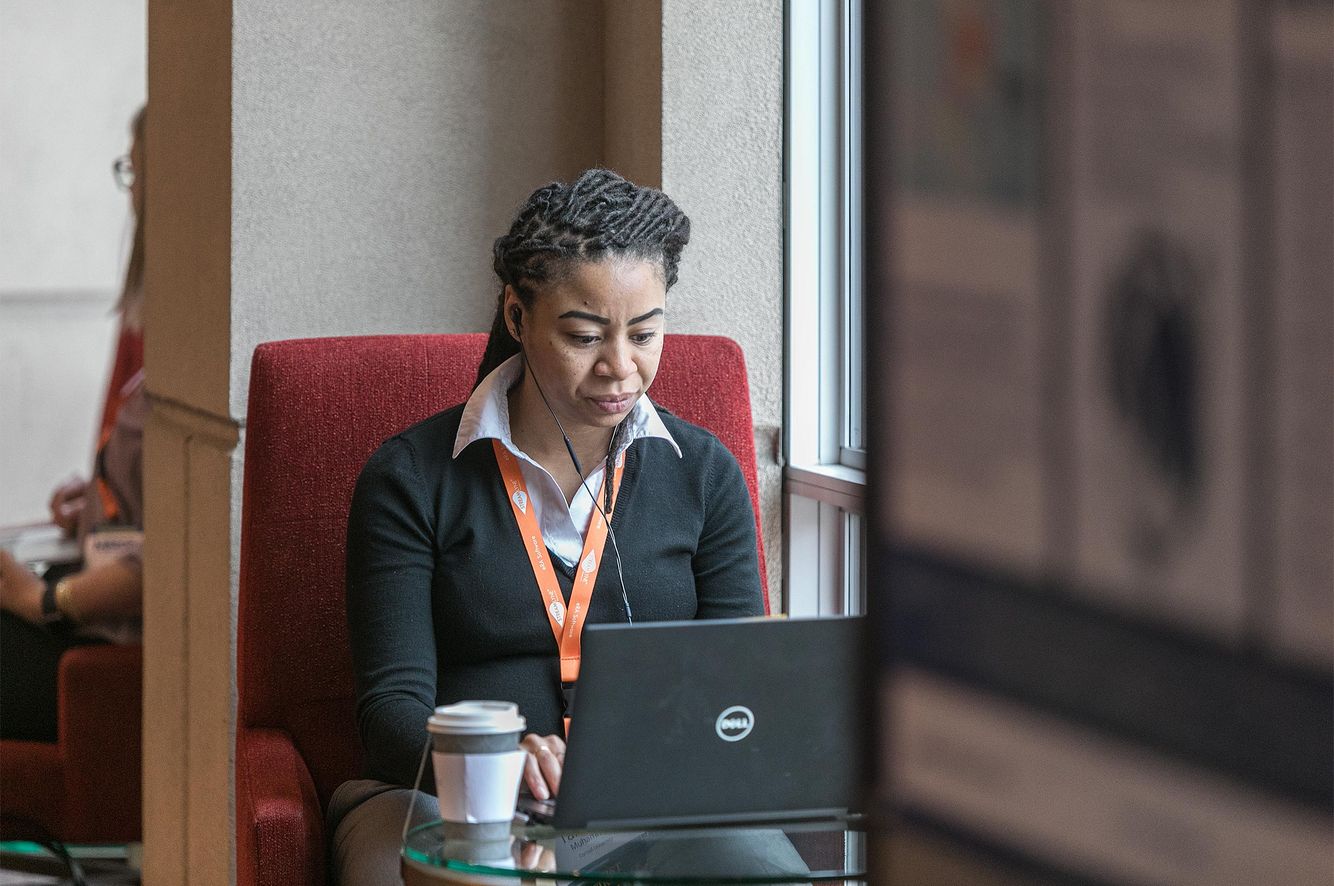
<point>557,745</point>
<point>551,766</point>
<point>532,776</point>
<point>531,856</point>
<point>66,503</point>
<point>542,769</point>
<point>535,856</point>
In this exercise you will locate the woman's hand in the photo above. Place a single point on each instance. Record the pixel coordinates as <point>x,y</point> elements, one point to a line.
<point>21,590</point>
<point>533,856</point>
<point>541,771</point>
<point>66,503</point>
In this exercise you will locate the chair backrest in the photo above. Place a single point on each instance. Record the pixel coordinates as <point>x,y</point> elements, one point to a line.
<point>318,408</point>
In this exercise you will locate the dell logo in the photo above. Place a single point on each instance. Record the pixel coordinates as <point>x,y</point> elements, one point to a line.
<point>734,723</point>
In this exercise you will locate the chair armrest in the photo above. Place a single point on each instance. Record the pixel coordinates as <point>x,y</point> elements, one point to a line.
<point>99,686</point>
<point>100,691</point>
<point>279,822</point>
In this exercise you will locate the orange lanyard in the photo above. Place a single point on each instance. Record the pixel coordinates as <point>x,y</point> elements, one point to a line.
<point>567,623</point>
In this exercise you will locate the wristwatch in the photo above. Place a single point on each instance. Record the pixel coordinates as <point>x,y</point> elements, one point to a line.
<point>51,613</point>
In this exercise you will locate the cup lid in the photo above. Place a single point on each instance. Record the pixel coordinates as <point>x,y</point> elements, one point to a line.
<point>477,718</point>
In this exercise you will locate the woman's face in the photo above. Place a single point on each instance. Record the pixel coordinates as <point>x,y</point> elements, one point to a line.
<point>593,340</point>
<point>140,166</point>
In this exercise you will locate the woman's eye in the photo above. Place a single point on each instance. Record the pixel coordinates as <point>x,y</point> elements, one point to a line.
<point>583,339</point>
<point>643,338</point>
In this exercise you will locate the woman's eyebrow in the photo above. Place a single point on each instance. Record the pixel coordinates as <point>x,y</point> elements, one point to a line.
<point>584,315</point>
<point>642,317</point>
<point>604,321</point>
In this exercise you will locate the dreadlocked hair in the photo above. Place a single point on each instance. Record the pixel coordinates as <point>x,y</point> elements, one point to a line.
<point>598,216</point>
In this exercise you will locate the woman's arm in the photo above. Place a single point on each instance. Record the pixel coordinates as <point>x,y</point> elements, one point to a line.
<point>112,591</point>
<point>390,565</point>
<point>726,563</point>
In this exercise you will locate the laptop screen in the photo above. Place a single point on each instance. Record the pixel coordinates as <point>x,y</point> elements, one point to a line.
<point>729,720</point>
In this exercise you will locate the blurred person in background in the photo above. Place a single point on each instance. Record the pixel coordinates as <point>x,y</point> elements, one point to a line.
<point>96,599</point>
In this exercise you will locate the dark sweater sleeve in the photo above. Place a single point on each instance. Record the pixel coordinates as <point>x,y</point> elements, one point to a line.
<point>726,563</point>
<point>390,562</point>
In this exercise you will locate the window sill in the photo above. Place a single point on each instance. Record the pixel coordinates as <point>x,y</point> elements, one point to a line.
<point>837,485</point>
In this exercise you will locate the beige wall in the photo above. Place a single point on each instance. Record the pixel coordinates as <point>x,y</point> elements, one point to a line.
<point>378,151</point>
<point>722,161</point>
<point>341,168</point>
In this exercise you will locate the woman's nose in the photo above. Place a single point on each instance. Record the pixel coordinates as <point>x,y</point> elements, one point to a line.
<point>616,360</point>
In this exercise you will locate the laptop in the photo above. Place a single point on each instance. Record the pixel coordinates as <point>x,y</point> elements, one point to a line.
<point>38,545</point>
<point>733,720</point>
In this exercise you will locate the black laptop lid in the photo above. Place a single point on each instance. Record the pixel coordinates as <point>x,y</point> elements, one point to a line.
<point>731,720</point>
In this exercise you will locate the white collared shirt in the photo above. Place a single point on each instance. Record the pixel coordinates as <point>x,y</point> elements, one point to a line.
<point>487,416</point>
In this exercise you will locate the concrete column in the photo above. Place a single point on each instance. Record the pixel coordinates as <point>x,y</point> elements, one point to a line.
<point>722,161</point>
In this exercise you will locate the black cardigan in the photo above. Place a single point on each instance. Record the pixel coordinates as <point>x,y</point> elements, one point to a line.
<point>429,535</point>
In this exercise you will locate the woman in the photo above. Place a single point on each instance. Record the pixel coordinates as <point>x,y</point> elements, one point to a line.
<point>95,600</point>
<point>444,601</point>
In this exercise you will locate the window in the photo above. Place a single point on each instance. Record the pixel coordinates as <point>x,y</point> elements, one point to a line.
<point>825,449</point>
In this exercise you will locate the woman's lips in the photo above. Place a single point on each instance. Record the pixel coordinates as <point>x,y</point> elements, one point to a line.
<point>614,405</point>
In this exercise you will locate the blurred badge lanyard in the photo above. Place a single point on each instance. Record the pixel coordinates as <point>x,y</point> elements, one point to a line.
<point>567,624</point>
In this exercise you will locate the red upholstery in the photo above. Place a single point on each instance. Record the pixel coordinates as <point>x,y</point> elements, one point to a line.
<point>85,787</point>
<point>318,408</point>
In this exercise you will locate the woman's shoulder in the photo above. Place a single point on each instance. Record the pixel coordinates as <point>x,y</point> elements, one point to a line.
<point>707,470</point>
<point>428,442</point>
<point>698,445</point>
<point>444,422</point>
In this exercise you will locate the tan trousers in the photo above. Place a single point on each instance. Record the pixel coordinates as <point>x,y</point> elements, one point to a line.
<point>366,820</point>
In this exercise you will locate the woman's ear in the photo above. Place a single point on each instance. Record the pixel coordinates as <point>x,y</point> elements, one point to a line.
<point>512,310</point>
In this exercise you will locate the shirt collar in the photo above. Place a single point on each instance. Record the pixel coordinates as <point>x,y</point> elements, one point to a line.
<point>486,415</point>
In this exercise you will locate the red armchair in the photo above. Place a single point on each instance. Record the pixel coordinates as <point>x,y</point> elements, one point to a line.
<point>318,408</point>
<point>85,788</point>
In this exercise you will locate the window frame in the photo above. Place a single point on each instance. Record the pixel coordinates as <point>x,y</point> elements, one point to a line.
<point>824,473</point>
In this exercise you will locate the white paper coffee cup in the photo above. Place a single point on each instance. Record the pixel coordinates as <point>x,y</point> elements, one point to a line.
<point>478,765</point>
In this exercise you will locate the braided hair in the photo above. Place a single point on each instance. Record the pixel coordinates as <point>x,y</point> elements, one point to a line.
<point>598,216</point>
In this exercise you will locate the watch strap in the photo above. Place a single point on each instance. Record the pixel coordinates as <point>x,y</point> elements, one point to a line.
<point>51,613</point>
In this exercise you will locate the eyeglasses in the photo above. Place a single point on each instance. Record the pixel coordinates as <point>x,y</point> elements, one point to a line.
<point>122,170</point>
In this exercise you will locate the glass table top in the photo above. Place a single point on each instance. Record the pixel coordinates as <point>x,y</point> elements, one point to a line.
<point>787,852</point>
